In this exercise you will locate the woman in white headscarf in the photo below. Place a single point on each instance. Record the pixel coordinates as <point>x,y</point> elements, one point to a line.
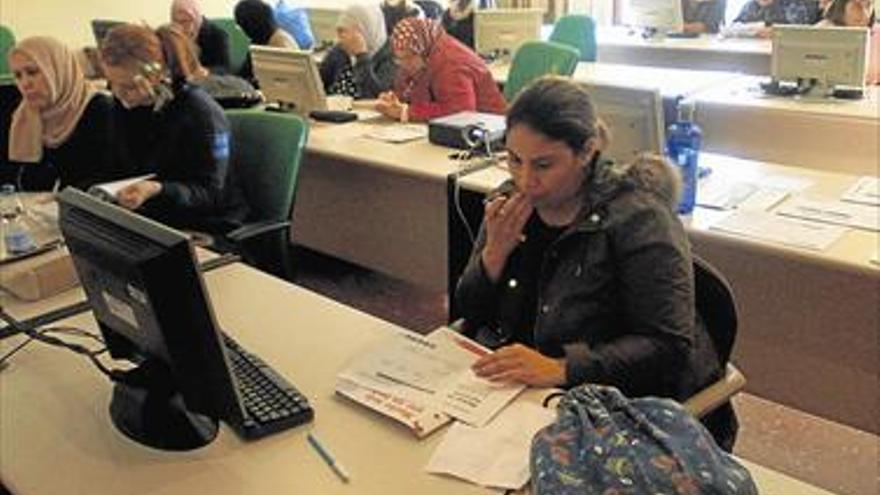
<point>361,63</point>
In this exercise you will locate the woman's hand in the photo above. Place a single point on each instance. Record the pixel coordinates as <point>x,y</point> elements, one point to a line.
<point>389,105</point>
<point>133,196</point>
<point>521,364</point>
<point>504,218</point>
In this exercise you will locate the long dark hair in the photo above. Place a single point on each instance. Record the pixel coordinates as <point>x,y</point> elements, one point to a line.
<point>836,12</point>
<point>257,20</point>
<point>560,109</point>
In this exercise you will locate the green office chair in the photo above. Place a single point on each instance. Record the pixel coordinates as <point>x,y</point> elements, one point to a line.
<point>239,43</point>
<point>578,32</point>
<point>535,59</point>
<point>7,41</point>
<point>266,155</point>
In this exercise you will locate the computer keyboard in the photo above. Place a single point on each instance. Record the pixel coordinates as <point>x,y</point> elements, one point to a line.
<point>270,402</point>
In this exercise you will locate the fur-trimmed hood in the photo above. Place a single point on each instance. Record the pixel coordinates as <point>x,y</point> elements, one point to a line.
<point>650,173</point>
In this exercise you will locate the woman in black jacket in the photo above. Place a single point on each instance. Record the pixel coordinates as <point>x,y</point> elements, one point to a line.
<point>166,127</point>
<point>60,131</point>
<point>582,272</point>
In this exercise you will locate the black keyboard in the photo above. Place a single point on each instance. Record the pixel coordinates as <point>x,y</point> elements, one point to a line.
<point>269,401</point>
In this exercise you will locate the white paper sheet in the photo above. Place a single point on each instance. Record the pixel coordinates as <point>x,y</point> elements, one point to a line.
<point>398,133</point>
<point>496,455</point>
<point>833,212</point>
<point>866,190</point>
<point>722,194</point>
<point>109,190</point>
<point>787,231</point>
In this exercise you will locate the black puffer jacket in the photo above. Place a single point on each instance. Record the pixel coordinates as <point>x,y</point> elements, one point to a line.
<point>615,290</point>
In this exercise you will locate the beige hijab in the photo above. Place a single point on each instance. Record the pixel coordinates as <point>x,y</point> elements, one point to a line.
<point>69,94</point>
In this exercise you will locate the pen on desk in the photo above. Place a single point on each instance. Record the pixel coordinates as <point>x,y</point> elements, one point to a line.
<point>328,458</point>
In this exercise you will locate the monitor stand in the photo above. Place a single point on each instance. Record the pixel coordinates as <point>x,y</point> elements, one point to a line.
<point>148,409</point>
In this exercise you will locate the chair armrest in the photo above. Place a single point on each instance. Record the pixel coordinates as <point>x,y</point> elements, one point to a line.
<point>706,400</point>
<point>256,229</point>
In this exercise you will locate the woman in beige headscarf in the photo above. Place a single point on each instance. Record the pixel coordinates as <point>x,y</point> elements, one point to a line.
<point>61,128</point>
<point>212,40</point>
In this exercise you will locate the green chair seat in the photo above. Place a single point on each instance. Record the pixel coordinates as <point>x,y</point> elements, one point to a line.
<point>239,43</point>
<point>578,32</point>
<point>266,154</point>
<point>535,59</point>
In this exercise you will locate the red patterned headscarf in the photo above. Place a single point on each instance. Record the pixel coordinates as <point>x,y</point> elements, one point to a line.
<point>416,35</point>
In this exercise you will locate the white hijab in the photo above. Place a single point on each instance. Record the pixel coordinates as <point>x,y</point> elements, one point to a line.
<point>369,20</point>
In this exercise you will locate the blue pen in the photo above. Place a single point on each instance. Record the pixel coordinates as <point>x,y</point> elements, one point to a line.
<point>328,458</point>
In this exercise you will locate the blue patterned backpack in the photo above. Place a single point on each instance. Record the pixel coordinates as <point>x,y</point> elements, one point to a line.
<point>605,443</point>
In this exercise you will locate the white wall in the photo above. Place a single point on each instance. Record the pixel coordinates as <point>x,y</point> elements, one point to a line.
<point>68,20</point>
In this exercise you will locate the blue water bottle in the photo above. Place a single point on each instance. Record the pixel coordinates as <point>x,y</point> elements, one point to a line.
<point>683,140</point>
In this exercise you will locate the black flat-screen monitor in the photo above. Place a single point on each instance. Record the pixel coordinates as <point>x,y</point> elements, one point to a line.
<point>148,297</point>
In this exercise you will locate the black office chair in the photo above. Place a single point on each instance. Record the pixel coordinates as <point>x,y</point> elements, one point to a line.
<point>432,9</point>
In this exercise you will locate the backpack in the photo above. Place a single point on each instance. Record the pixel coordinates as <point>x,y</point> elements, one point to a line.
<point>604,443</point>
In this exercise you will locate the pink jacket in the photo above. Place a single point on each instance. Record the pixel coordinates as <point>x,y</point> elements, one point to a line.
<point>455,80</point>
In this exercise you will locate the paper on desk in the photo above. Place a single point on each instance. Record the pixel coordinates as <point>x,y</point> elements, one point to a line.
<point>398,133</point>
<point>496,455</point>
<point>726,195</point>
<point>433,370</point>
<point>788,231</point>
<point>834,212</point>
<point>866,190</point>
<point>108,190</point>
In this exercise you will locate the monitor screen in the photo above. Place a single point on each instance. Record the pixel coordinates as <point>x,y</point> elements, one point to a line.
<point>635,117</point>
<point>323,24</point>
<point>664,16</point>
<point>100,28</point>
<point>825,56</point>
<point>149,300</point>
<point>500,32</point>
<point>289,77</point>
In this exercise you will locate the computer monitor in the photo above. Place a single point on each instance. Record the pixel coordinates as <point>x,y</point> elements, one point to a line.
<point>323,23</point>
<point>100,28</point>
<point>820,58</point>
<point>655,17</point>
<point>500,32</point>
<point>149,300</point>
<point>635,117</point>
<point>289,77</point>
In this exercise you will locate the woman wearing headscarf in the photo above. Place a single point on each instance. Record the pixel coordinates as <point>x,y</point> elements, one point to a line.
<point>213,42</point>
<point>398,10</point>
<point>436,75</point>
<point>61,128</point>
<point>458,20</point>
<point>257,20</point>
<point>361,64</point>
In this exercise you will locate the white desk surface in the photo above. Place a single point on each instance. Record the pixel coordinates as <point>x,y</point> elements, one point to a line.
<point>611,36</point>
<point>57,436</point>
<point>852,253</point>
<point>671,82</point>
<point>835,135</point>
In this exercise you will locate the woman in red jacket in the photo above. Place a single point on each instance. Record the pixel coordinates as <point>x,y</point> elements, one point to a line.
<point>436,76</point>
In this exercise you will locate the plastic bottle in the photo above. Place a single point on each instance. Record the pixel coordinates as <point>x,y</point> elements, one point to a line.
<point>16,234</point>
<point>683,141</point>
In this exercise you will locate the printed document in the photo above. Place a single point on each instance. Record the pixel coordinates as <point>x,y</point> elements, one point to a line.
<point>496,455</point>
<point>108,190</point>
<point>855,215</point>
<point>866,190</point>
<point>788,231</point>
<point>398,133</point>
<point>434,371</point>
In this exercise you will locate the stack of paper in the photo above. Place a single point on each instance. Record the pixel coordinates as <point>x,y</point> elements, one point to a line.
<point>770,227</point>
<point>496,455</point>
<point>866,190</point>
<point>398,133</point>
<point>855,215</point>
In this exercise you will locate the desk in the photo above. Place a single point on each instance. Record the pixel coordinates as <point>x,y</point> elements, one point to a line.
<point>749,56</point>
<point>840,136</point>
<point>805,318</point>
<point>57,436</point>
<point>375,204</point>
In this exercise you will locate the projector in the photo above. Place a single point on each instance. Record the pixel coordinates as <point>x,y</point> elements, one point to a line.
<point>467,130</point>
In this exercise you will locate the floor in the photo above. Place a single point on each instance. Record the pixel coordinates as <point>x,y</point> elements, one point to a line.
<point>826,454</point>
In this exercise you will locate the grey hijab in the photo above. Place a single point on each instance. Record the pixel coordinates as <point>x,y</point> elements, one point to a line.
<point>369,20</point>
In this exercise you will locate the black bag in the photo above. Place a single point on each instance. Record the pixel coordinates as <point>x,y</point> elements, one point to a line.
<point>230,91</point>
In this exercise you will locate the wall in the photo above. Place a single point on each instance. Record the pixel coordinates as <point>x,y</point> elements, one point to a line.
<point>68,20</point>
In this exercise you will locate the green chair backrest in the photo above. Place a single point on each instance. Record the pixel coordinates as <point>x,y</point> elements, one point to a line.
<point>578,32</point>
<point>535,59</point>
<point>239,43</point>
<point>267,150</point>
<point>7,41</point>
